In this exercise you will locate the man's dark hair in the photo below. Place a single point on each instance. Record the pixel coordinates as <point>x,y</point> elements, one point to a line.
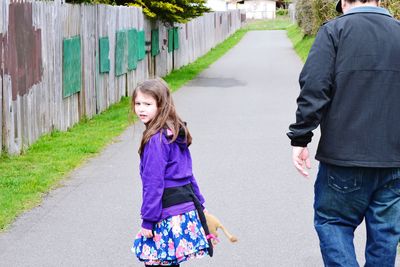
<point>339,3</point>
<point>362,1</point>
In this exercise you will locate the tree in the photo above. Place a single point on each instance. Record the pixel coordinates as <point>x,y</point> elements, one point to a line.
<point>324,10</point>
<point>283,4</point>
<point>90,1</point>
<point>167,11</point>
<point>305,15</point>
<point>393,6</point>
<point>311,14</point>
<point>170,11</point>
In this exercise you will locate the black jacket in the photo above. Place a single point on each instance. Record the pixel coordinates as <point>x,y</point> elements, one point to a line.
<point>350,86</point>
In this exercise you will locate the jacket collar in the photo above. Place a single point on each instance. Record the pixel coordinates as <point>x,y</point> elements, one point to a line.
<point>368,9</point>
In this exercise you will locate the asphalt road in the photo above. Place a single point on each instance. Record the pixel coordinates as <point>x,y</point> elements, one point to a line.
<point>238,111</point>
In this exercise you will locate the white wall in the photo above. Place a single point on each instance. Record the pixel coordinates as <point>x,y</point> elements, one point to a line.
<point>233,6</point>
<point>217,5</point>
<point>292,12</point>
<point>260,9</point>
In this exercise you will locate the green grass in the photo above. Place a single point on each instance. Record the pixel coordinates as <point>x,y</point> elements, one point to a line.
<point>280,23</point>
<point>25,178</point>
<point>302,44</point>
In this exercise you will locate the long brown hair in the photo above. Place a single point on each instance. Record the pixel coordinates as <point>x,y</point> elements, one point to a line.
<point>166,117</point>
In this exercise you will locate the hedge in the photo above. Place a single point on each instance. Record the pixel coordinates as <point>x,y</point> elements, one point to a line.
<point>311,14</point>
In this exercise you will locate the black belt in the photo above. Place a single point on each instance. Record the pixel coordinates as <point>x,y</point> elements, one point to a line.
<point>182,194</point>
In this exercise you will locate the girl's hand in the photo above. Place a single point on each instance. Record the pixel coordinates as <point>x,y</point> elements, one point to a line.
<point>146,233</point>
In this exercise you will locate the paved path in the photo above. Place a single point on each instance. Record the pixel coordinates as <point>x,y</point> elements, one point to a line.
<point>238,112</point>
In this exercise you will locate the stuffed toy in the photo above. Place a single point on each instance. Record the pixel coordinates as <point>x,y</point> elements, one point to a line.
<point>213,224</point>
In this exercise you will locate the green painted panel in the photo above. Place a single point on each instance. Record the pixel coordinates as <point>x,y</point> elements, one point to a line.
<point>104,46</point>
<point>155,43</point>
<point>72,68</point>
<point>141,45</point>
<point>176,38</point>
<point>132,49</point>
<point>121,53</point>
<point>170,40</point>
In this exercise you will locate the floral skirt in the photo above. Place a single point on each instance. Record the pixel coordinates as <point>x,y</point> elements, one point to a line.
<point>176,239</point>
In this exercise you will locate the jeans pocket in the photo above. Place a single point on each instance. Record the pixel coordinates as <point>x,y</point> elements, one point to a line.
<point>344,179</point>
<point>394,185</point>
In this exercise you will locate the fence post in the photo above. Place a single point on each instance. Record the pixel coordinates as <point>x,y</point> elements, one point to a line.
<point>292,12</point>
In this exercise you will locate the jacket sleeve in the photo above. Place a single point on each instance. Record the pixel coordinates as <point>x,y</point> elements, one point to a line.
<point>196,190</point>
<point>316,80</point>
<point>154,162</point>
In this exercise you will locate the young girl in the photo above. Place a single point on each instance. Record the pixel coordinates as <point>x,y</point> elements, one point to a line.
<point>173,224</point>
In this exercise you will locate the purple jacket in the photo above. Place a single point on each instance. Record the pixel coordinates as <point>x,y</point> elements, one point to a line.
<point>164,164</point>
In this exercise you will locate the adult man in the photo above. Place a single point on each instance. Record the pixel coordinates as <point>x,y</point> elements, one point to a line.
<point>350,86</point>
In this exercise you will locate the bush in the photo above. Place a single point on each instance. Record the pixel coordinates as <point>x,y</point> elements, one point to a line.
<point>282,12</point>
<point>304,16</point>
<point>323,10</point>
<point>311,14</point>
<point>170,11</point>
<point>393,6</point>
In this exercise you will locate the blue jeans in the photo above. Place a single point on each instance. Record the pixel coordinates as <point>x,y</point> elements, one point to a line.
<point>344,196</point>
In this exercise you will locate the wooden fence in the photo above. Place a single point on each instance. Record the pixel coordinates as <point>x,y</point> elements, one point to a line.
<point>32,79</point>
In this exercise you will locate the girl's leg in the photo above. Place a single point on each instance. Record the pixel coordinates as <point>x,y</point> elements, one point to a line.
<point>161,265</point>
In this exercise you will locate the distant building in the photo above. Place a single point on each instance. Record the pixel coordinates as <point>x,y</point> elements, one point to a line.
<point>255,9</point>
<point>218,5</point>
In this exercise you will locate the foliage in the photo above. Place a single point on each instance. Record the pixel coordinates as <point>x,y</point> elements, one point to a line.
<point>311,14</point>
<point>171,11</point>
<point>323,10</point>
<point>284,4</point>
<point>108,2</point>
<point>304,16</point>
<point>167,11</point>
<point>282,12</point>
<point>393,6</point>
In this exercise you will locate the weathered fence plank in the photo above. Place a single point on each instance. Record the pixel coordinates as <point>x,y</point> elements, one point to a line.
<point>3,30</point>
<point>90,47</point>
<point>1,107</point>
<point>102,81</point>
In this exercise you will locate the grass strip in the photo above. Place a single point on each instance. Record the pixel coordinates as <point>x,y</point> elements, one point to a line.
<point>301,43</point>
<point>280,23</point>
<point>25,178</point>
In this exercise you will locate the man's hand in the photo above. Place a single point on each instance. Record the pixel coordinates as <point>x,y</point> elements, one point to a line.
<point>146,232</point>
<point>301,160</point>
